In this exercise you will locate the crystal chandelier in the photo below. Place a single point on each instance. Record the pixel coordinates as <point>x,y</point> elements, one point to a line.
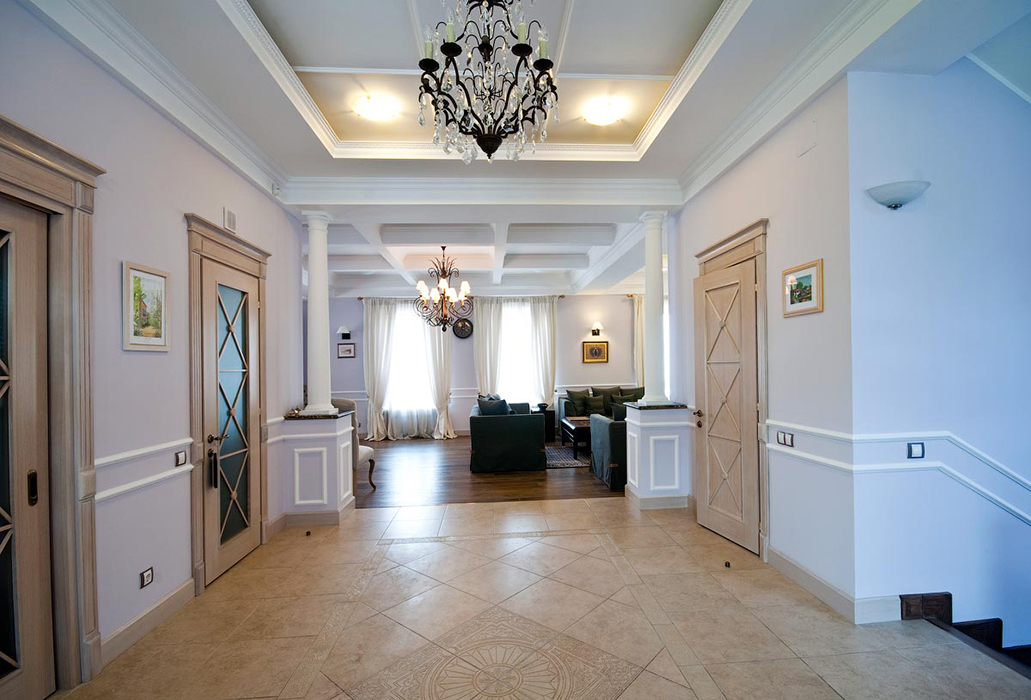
<point>493,92</point>
<point>443,304</point>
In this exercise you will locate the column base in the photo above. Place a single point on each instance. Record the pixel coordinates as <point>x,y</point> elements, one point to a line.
<point>655,400</point>
<point>320,410</point>
<point>659,502</point>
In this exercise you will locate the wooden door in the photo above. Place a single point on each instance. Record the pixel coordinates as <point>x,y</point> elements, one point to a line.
<point>726,474</point>
<point>26,625</point>
<point>232,424</point>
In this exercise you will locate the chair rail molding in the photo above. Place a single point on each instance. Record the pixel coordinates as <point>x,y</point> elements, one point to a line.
<point>141,452</point>
<point>131,486</point>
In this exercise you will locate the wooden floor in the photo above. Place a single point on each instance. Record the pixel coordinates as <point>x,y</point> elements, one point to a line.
<point>432,472</point>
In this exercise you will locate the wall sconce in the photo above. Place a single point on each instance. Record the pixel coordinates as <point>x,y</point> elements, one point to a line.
<point>344,333</point>
<point>896,195</point>
<point>597,328</point>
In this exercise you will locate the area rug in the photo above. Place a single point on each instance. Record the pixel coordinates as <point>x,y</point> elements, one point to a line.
<point>561,457</point>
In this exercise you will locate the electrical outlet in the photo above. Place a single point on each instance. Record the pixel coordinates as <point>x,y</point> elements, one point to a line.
<point>180,458</point>
<point>915,450</point>
<point>147,577</point>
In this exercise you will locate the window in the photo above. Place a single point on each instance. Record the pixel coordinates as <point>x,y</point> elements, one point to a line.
<point>408,382</point>
<point>517,371</point>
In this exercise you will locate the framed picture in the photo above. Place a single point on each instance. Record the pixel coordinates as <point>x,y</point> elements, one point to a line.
<point>803,289</point>
<point>345,350</point>
<point>144,308</point>
<point>596,351</point>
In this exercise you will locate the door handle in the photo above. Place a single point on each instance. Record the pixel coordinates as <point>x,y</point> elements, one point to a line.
<point>218,439</point>
<point>33,487</point>
<point>213,467</point>
<point>699,413</point>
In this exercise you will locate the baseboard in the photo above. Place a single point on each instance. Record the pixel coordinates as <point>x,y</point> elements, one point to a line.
<point>319,517</point>
<point>659,502</point>
<point>134,630</point>
<point>860,611</point>
<point>271,528</point>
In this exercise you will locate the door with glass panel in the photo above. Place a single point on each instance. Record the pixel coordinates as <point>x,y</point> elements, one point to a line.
<point>232,478</point>
<point>26,626</point>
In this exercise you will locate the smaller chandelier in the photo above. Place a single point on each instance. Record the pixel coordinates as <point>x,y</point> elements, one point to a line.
<point>442,305</point>
<point>490,83</point>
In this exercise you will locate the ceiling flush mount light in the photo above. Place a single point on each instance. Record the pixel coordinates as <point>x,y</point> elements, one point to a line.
<point>377,108</point>
<point>443,305</point>
<point>597,328</point>
<point>896,195</point>
<point>487,90</point>
<point>603,111</point>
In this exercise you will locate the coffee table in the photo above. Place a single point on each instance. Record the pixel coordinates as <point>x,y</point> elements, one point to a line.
<point>576,429</point>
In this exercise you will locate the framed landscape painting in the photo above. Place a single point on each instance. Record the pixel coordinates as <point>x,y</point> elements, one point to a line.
<point>144,308</point>
<point>803,289</point>
<point>596,351</point>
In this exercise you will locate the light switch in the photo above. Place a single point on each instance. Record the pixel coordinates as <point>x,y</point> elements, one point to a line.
<point>789,439</point>
<point>180,458</point>
<point>916,450</point>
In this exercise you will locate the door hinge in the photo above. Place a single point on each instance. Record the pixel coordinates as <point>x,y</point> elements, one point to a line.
<point>757,286</point>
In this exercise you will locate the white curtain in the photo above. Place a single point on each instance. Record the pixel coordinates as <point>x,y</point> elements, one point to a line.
<point>487,342</point>
<point>438,362</point>
<point>542,320</point>
<point>639,339</point>
<point>380,315</point>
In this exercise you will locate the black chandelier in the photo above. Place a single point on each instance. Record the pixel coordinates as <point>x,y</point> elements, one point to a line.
<point>443,304</point>
<point>484,99</point>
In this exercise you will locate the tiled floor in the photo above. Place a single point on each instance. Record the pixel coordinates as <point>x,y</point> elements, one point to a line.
<point>579,599</point>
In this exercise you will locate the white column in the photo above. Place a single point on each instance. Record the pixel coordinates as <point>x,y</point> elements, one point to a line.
<point>319,394</point>
<point>654,374</point>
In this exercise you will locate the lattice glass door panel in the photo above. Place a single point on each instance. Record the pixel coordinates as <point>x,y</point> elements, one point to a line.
<point>233,411</point>
<point>8,593</point>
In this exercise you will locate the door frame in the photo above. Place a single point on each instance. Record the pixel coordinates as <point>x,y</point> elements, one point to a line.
<point>40,174</point>
<point>209,241</point>
<point>750,244</point>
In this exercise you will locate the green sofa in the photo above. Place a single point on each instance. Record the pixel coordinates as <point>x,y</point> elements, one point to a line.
<point>608,450</point>
<point>512,443</point>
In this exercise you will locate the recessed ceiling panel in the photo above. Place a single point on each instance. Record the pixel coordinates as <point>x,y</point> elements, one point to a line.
<point>547,12</point>
<point>337,94</point>
<point>648,37</point>
<point>341,33</point>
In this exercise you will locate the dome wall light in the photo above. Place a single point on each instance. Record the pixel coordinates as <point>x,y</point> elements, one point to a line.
<point>602,111</point>
<point>377,108</point>
<point>896,195</point>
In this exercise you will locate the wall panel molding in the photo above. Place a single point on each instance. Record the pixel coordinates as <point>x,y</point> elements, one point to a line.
<point>323,476</point>
<point>143,483</point>
<point>140,453</point>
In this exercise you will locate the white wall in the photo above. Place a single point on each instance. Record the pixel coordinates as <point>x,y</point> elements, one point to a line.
<point>155,174</point>
<point>941,326</point>
<point>805,198</point>
<point>574,317</point>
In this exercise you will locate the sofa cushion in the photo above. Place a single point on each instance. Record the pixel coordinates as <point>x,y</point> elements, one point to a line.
<point>576,400</point>
<point>594,404</point>
<point>490,407</point>
<point>606,393</point>
<point>636,394</point>
<point>618,411</point>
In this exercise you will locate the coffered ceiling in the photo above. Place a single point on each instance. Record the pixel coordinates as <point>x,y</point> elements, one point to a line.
<point>271,86</point>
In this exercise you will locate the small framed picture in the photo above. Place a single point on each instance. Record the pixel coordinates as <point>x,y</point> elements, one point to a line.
<point>803,289</point>
<point>144,308</point>
<point>596,351</point>
<point>345,350</point>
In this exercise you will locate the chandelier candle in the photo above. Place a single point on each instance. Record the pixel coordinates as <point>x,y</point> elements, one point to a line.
<point>443,305</point>
<point>487,91</point>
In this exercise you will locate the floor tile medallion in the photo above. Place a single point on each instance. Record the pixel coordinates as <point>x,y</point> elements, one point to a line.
<point>501,655</point>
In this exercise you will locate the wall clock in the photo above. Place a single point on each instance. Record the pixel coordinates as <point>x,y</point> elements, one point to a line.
<point>463,328</point>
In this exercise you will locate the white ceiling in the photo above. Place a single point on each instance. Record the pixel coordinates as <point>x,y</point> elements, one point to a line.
<point>270,86</point>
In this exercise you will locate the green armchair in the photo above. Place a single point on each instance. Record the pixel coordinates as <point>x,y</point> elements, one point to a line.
<point>512,443</point>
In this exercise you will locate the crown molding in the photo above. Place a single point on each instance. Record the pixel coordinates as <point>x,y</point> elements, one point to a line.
<point>822,62</point>
<point>98,30</point>
<point>330,191</point>
<point>716,32</point>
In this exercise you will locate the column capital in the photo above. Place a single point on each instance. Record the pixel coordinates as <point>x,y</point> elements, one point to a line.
<point>316,219</point>
<point>654,216</point>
